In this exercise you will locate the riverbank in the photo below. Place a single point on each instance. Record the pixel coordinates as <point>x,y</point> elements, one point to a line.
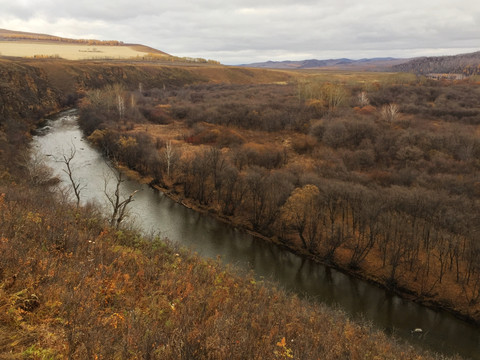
<point>363,273</point>
<point>101,291</point>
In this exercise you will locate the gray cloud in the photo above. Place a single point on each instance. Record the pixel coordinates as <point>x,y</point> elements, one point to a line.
<point>248,31</point>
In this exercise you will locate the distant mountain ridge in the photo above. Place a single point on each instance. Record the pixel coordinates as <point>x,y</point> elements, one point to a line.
<point>380,63</point>
<point>462,64</point>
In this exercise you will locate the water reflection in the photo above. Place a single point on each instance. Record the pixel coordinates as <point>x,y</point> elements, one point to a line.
<point>154,212</point>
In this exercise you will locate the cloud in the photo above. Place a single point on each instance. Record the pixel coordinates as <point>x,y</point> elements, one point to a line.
<point>247,31</point>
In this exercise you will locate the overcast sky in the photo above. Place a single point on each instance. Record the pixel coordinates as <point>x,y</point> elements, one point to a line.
<point>246,31</point>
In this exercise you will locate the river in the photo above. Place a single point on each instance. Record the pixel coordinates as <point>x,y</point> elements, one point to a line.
<point>153,212</point>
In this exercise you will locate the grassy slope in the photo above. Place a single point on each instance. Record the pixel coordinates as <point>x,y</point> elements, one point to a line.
<point>31,88</point>
<point>72,287</point>
<point>24,44</point>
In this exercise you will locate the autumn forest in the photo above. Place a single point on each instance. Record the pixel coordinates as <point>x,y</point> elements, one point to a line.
<point>379,179</point>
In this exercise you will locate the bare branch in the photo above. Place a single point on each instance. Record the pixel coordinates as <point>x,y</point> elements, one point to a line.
<point>390,112</point>
<point>119,205</point>
<point>67,160</point>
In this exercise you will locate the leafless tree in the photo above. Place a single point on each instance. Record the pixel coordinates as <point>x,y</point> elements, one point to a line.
<point>67,161</point>
<point>120,106</point>
<point>390,112</point>
<point>118,202</point>
<point>37,171</point>
<point>362,99</point>
<point>168,155</point>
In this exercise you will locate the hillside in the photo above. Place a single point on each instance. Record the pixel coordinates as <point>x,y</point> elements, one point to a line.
<point>338,64</point>
<point>24,44</point>
<point>11,35</point>
<point>33,88</point>
<point>464,64</point>
<point>71,287</point>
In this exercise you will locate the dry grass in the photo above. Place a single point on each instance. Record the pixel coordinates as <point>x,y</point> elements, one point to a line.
<point>234,75</point>
<point>69,51</point>
<point>81,290</point>
<point>355,78</point>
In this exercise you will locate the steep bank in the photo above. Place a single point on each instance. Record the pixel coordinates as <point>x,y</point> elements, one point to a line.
<point>26,92</point>
<point>32,89</point>
<point>71,287</point>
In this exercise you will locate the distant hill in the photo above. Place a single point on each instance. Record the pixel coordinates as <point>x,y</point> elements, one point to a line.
<point>9,35</point>
<point>343,63</point>
<point>25,44</point>
<point>465,64</point>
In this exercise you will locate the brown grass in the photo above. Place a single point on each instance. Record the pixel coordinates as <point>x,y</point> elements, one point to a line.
<point>73,288</point>
<point>68,51</point>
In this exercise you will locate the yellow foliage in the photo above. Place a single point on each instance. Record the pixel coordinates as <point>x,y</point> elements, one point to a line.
<point>283,352</point>
<point>299,203</point>
<point>316,103</point>
<point>34,217</point>
<point>127,141</point>
<point>97,136</point>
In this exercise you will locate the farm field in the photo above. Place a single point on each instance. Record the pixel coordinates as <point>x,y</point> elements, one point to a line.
<point>68,51</point>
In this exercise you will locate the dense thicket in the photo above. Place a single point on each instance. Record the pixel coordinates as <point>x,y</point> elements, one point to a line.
<point>380,178</point>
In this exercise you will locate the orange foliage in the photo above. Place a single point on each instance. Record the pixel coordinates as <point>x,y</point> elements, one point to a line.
<point>365,110</point>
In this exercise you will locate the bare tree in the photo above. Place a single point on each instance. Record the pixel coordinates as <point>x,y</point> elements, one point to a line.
<point>390,112</point>
<point>362,99</point>
<point>118,202</point>
<point>334,95</point>
<point>330,95</point>
<point>37,171</point>
<point>120,106</point>
<point>67,160</point>
<point>168,155</point>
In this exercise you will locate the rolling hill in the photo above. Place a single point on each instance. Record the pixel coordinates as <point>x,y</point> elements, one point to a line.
<point>32,45</point>
<point>461,65</point>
